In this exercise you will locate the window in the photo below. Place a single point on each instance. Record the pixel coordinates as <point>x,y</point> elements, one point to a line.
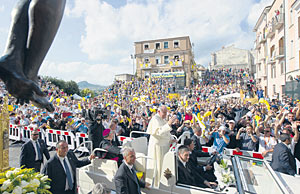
<point>176,43</point>
<point>146,46</point>
<point>166,59</point>
<point>146,60</point>
<point>157,60</point>
<point>166,45</point>
<point>259,67</point>
<point>176,57</point>
<point>282,67</point>
<point>273,71</point>
<point>274,89</point>
<point>157,45</point>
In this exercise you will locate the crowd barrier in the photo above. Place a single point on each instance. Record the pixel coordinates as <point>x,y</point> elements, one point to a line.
<point>233,152</point>
<point>53,136</point>
<point>81,139</point>
<point>15,133</point>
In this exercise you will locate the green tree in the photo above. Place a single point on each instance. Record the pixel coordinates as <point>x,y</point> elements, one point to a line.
<point>86,91</point>
<point>70,87</point>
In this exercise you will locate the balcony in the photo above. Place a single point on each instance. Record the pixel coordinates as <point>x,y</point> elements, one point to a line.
<point>149,51</point>
<point>145,65</point>
<point>279,53</point>
<point>279,21</point>
<point>176,63</point>
<point>272,60</point>
<point>271,30</point>
<point>262,39</point>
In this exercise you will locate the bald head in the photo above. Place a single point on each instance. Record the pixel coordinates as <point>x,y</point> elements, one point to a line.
<point>162,111</point>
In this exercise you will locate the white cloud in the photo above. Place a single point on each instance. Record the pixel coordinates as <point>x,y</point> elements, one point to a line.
<point>256,10</point>
<point>102,74</point>
<point>110,32</point>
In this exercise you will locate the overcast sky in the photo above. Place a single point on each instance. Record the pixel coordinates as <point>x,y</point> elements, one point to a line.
<point>96,37</point>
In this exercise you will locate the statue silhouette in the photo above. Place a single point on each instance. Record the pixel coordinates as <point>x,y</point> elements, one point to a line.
<point>33,28</point>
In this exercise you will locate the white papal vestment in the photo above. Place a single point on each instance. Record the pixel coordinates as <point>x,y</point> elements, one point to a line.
<point>159,145</point>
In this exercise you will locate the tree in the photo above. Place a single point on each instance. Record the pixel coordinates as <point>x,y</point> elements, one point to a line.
<point>86,92</point>
<point>70,87</point>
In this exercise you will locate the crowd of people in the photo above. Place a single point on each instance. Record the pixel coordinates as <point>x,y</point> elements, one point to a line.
<point>200,110</point>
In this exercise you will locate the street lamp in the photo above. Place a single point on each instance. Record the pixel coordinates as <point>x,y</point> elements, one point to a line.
<point>132,57</point>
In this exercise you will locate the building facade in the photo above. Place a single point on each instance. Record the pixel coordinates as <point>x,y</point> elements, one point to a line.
<point>277,48</point>
<point>165,56</point>
<point>231,57</point>
<point>124,77</point>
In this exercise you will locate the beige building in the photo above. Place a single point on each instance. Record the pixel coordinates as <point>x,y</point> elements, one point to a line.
<point>170,55</point>
<point>231,57</point>
<point>270,49</point>
<point>124,77</point>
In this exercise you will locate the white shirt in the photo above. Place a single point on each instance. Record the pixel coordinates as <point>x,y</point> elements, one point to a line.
<point>184,163</point>
<point>35,149</point>
<point>129,166</point>
<point>266,143</point>
<point>61,159</point>
<point>201,139</point>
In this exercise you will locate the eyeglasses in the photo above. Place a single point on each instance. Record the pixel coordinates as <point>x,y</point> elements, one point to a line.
<point>35,134</point>
<point>267,131</point>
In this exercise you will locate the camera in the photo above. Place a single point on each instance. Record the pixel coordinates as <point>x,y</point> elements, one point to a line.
<point>101,112</point>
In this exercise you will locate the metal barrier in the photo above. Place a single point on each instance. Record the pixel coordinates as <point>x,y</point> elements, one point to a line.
<point>15,133</point>
<point>123,138</point>
<point>53,136</point>
<point>82,148</point>
<point>234,152</point>
<point>81,138</point>
<point>26,132</point>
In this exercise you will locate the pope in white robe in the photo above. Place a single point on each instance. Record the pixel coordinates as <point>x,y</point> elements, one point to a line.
<point>159,144</point>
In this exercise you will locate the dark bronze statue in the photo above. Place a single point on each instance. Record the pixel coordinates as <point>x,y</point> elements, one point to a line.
<point>33,28</point>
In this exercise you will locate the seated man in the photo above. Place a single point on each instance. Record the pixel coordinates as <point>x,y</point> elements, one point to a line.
<point>113,152</point>
<point>282,159</point>
<point>207,171</point>
<point>186,174</point>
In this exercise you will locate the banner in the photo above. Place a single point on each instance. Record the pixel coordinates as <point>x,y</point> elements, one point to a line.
<point>167,74</point>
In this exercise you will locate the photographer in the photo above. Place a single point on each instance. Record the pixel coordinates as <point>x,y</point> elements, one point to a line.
<point>82,126</point>
<point>95,126</point>
<point>247,139</point>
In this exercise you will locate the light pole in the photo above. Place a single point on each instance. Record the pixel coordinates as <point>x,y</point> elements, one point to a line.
<point>132,57</point>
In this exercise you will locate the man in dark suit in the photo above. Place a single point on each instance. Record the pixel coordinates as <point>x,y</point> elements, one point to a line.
<point>207,172</point>
<point>61,169</point>
<point>32,152</point>
<point>197,145</point>
<point>95,128</point>
<point>186,174</point>
<point>113,151</point>
<point>282,159</point>
<point>126,181</point>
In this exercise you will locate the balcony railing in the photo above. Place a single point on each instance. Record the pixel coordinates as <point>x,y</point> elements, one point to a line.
<point>271,30</point>
<point>279,53</point>
<point>279,20</point>
<point>149,51</point>
<point>176,63</point>
<point>145,65</point>
<point>262,38</point>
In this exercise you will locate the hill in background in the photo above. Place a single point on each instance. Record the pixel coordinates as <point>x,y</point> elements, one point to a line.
<point>85,84</point>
